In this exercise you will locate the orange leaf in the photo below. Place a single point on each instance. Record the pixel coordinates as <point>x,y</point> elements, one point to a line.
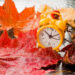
<point>24,21</point>
<point>10,8</point>
<point>26,13</point>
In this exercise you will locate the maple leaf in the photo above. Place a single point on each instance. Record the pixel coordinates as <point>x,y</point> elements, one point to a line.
<point>25,41</point>
<point>7,69</point>
<point>28,63</point>
<point>69,57</point>
<point>24,21</point>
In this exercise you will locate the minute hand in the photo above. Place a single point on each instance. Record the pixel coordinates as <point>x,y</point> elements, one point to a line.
<point>47,33</point>
<point>50,36</point>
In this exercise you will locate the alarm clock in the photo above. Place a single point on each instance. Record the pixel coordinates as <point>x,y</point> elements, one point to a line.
<point>50,36</point>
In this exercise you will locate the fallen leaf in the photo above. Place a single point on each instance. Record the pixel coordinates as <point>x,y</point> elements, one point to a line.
<point>29,63</point>
<point>69,57</point>
<point>10,18</point>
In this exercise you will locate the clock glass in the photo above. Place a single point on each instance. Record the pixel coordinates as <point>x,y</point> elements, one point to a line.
<point>49,37</point>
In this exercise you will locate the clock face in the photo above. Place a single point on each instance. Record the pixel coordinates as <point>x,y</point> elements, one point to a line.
<point>49,37</point>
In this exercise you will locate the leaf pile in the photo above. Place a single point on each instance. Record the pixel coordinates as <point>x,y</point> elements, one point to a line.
<point>19,55</point>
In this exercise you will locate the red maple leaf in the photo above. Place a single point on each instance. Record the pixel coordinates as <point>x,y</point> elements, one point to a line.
<point>26,63</point>
<point>25,41</point>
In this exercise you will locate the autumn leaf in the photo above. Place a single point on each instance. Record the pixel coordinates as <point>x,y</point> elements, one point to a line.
<point>10,18</point>
<point>69,57</point>
<point>25,41</point>
<point>29,63</point>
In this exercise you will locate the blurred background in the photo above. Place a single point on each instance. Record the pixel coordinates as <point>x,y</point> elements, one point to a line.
<point>20,4</point>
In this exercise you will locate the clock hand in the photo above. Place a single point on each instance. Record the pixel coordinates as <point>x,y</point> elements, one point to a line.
<point>55,38</point>
<point>46,33</point>
<point>50,36</point>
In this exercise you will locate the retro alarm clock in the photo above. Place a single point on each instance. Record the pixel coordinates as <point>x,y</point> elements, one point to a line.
<point>51,32</point>
<point>50,36</point>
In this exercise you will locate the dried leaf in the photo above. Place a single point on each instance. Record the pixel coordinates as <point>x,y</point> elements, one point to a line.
<point>70,53</point>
